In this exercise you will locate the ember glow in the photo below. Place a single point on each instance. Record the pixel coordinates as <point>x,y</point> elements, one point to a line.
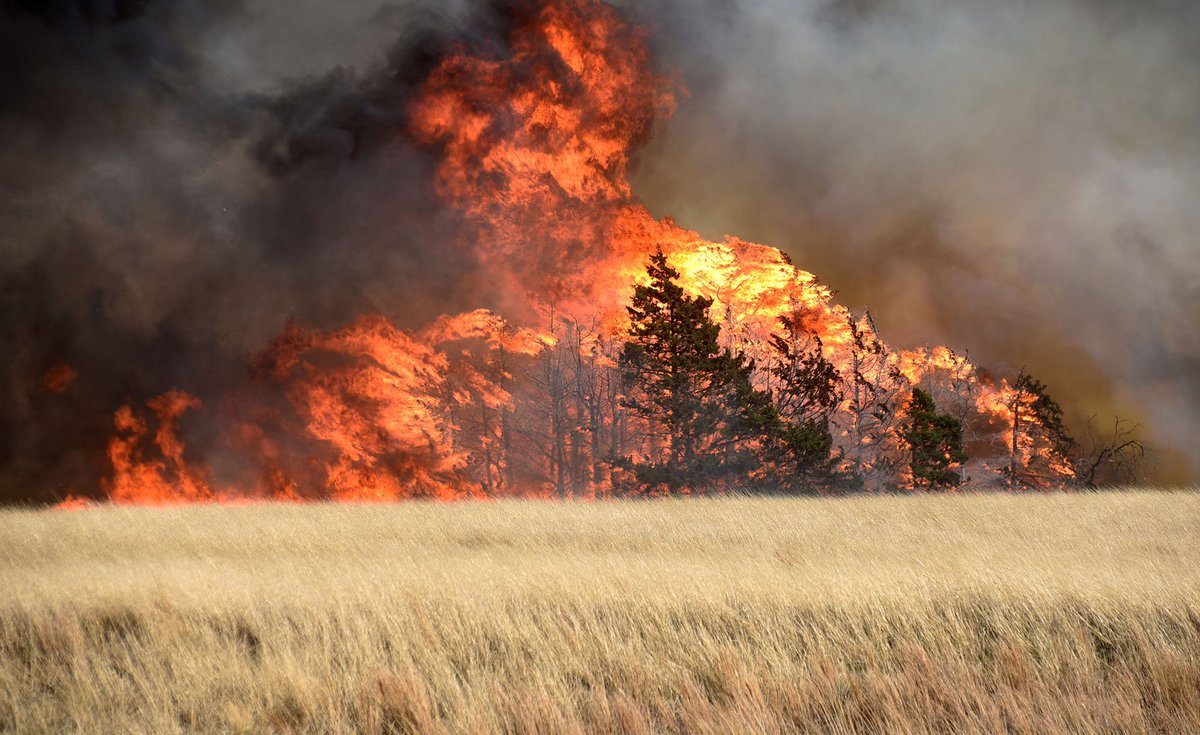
<point>534,147</point>
<point>58,379</point>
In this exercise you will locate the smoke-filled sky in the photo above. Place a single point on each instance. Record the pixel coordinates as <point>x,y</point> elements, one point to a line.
<point>1015,179</point>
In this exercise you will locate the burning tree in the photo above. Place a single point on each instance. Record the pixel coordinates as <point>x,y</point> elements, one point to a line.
<point>574,417</point>
<point>806,388</point>
<point>1041,450</point>
<point>870,415</point>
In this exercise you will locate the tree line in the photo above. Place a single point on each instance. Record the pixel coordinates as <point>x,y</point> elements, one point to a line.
<point>672,407</point>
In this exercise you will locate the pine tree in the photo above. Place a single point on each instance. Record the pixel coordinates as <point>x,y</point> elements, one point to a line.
<point>935,442</point>
<point>695,394</point>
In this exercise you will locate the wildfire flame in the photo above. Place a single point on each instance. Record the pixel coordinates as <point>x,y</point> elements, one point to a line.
<point>535,148</point>
<point>137,479</point>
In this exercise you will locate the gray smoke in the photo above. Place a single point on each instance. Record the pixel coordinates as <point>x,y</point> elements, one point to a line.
<point>1014,178</point>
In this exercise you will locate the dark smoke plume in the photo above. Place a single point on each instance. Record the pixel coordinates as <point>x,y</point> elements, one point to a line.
<point>181,178</point>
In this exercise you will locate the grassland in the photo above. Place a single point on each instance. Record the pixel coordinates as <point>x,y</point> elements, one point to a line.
<point>992,613</point>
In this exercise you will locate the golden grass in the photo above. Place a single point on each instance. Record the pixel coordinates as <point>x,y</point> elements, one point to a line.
<point>989,613</point>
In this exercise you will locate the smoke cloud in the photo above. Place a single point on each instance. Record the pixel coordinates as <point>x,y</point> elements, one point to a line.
<point>1016,179</point>
<point>182,178</point>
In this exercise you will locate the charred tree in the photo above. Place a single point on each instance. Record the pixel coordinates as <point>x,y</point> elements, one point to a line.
<point>870,415</point>
<point>552,382</point>
<point>1112,458</point>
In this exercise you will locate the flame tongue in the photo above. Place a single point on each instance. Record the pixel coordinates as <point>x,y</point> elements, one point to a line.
<point>154,482</point>
<point>536,148</point>
<point>536,145</point>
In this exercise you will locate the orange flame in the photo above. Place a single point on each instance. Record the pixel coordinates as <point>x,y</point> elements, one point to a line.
<point>146,481</point>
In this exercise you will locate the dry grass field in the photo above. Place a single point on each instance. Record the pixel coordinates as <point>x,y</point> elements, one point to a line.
<point>950,614</point>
